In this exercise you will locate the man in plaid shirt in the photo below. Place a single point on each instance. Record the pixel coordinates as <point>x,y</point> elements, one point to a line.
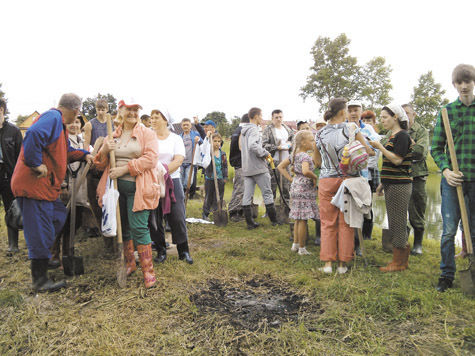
<point>461,114</point>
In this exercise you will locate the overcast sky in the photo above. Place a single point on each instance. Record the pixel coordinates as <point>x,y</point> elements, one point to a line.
<point>194,57</point>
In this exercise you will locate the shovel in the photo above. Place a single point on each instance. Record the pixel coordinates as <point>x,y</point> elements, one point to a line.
<point>121,268</point>
<point>467,276</point>
<point>272,166</point>
<point>72,265</point>
<point>281,209</point>
<point>220,216</point>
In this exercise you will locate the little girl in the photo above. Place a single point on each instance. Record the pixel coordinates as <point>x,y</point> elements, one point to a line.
<point>303,205</point>
<point>211,201</point>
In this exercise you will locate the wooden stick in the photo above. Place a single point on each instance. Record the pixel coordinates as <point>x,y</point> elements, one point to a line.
<point>190,175</point>
<point>455,167</point>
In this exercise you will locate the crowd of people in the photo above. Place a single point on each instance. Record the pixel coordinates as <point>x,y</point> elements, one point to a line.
<point>156,169</point>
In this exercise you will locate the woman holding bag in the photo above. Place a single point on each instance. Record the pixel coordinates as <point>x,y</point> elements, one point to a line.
<point>136,152</point>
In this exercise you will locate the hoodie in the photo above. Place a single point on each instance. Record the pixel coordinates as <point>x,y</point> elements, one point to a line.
<point>253,155</point>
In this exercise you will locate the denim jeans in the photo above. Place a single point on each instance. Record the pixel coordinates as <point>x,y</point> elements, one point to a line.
<point>184,172</point>
<point>450,221</point>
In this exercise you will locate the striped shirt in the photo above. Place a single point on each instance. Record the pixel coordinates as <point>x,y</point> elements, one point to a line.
<point>401,145</point>
<point>462,123</point>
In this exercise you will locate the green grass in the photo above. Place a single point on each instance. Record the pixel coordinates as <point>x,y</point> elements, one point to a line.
<point>362,312</point>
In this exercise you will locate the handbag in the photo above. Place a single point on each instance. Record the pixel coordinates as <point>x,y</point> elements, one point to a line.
<point>355,157</point>
<point>109,210</point>
<point>13,217</point>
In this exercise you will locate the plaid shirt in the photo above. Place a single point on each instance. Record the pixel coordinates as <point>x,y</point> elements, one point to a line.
<point>462,123</point>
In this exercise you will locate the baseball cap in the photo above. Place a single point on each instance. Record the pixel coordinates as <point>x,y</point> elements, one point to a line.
<point>354,103</point>
<point>210,122</point>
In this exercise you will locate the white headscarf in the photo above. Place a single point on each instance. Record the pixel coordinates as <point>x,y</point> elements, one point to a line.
<point>398,111</point>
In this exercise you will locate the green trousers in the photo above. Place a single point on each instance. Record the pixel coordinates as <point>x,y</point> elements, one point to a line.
<point>134,224</point>
<point>417,204</point>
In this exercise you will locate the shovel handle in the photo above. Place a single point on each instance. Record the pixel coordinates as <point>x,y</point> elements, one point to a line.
<point>215,179</point>
<point>190,175</point>
<point>455,167</point>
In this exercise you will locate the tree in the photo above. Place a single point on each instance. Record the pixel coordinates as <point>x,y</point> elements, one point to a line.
<point>334,74</point>
<point>427,99</point>
<point>234,124</point>
<point>89,105</point>
<point>2,96</point>
<point>222,124</point>
<point>375,84</point>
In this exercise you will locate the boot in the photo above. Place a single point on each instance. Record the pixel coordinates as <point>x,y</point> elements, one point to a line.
<point>108,246</point>
<point>399,261</point>
<point>251,224</point>
<point>39,275</point>
<point>129,256</point>
<point>12,241</point>
<point>387,241</point>
<point>417,248</point>
<point>146,264</point>
<point>367,228</point>
<point>272,214</point>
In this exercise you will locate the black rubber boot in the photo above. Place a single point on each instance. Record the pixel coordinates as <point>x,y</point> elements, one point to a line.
<point>251,224</point>
<point>318,232</point>
<point>418,236</point>
<point>12,241</point>
<point>39,274</point>
<point>368,227</point>
<point>272,214</point>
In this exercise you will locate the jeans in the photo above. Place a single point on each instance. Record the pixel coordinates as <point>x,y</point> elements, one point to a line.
<point>450,221</point>
<point>184,173</point>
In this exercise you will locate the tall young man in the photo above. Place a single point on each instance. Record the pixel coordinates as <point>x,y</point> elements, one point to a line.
<point>418,202</point>
<point>461,114</point>
<point>254,169</point>
<point>10,146</point>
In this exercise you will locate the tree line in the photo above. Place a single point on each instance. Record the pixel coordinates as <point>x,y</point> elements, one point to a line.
<point>334,73</point>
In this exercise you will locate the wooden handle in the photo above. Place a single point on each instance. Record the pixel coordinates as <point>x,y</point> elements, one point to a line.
<point>190,175</point>
<point>215,179</point>
<point>112,165</point>
<point>455,168</point>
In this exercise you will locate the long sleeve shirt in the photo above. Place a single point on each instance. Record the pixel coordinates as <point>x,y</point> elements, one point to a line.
<point>462,124</point>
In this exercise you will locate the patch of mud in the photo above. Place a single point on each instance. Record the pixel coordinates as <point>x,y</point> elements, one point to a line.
<point>257,303</point>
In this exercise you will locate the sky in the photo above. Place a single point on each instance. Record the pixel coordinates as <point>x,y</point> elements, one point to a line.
<point>195,57</point>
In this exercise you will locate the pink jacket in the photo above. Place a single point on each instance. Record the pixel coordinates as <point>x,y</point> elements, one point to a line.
<point>144,169</point>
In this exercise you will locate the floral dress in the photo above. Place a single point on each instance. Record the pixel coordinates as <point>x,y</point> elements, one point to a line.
<point>303,196</point>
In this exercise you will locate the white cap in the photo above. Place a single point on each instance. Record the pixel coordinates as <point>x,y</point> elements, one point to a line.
<point>354,103</point>
<point>320,120</point>
<point>398,111</point>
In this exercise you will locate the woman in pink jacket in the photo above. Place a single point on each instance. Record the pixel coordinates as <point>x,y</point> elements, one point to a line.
<point>136,152</point>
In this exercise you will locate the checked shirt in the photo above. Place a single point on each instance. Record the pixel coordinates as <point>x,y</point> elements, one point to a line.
<point>462,123</point>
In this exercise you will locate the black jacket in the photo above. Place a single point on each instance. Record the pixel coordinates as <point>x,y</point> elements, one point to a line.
<point>234,151</point>
<point>11,141</point>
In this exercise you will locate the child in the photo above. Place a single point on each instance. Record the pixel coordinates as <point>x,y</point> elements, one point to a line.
<point>303,196</point>
<point>211,200</point>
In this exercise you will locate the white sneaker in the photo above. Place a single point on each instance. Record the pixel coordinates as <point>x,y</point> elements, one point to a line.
<point>295,247</point>
<point>327,270</point>
<point>342,270</point>
<point>303,251</point>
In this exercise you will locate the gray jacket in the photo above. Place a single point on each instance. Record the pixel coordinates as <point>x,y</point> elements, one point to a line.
<point>253,155</point>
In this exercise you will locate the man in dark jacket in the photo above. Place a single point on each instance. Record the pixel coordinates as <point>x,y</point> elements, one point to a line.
<point>10,146</point>
<point>235,205</point>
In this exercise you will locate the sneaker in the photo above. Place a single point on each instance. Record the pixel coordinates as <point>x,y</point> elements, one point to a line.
<point>342,270</point>
<point>326,270</point>
<point>295,247</point>
<point>303,251</point>
<point>444,284</point>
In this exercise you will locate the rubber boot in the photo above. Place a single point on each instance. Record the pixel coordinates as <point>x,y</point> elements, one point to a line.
<point>39,275</point>
<point>368,227</point>
<point>12,241</point>
<point>251,224</point>
<point>387,241</point>
<point>130,257</point>
<point>318,231</point>
<point>272,214</point>
<point>146,264</point>
<point>398,262</point>
<point>418,236</point>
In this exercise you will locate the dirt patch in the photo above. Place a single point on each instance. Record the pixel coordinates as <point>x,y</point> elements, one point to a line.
<point>257,303</point>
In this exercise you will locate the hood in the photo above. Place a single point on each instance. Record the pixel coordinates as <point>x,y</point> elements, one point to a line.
<point>246,128</point>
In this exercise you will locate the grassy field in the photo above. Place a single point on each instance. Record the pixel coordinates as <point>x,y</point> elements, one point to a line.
<point>246,293</point>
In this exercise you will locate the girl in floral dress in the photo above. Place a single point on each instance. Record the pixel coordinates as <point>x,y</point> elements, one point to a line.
<point>303,204</point>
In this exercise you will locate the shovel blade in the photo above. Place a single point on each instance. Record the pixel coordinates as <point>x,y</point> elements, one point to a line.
<point>282,214</point>
<point>220,218</point>
<point>467,278</point>
<point>73,265</point>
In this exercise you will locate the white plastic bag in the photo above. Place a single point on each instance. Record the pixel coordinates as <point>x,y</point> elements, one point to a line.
<point>202,154</point>
<point>109,210</point>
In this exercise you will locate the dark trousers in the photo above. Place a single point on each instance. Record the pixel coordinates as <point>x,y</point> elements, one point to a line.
<point>417,204</point>
<point>7,199</point>
<point>211,201</point>
<point>176,220</point>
